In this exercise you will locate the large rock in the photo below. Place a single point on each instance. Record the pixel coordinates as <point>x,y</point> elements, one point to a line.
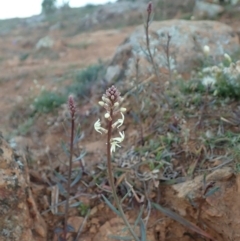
<point>45,43</point>
<point>20,219</point>
<point>221,210</point>
<point>186,46</point>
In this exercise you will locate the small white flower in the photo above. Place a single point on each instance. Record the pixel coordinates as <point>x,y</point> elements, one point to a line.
<point>98,128</point>
<point>228,58</point>
<point>119,139</point>
<point>116,104</point>
<point>113,146</point>
<point>122,109</point>
<point>106,100</point>
<point>107,115</point>
<point>119,122</point>
<point>209,134</point>
<point>115,141</point>
<point>206,50</point>
<point>208,80</point>
<point>101,103</point>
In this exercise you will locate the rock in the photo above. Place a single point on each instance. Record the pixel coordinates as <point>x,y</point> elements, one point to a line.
<point>116,227</point>
<point>186,46</point>
<point>45,42</point>
<point>205,10</point>
<point>183,189</point>
<point>20,219</point>
<point>76,222</point>
<point>221,210</point>
<point>112,73</point>
<point>93,211</point>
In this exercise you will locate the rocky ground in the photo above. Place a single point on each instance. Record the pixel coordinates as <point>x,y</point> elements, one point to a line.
<point>182,154</point>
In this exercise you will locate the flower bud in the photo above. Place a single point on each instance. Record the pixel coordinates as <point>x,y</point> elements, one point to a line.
<point>106,100</point>
<point>107,115</point>
<point>206,50</point>
<point>116,104</point>
<point>227,57</point>
<point>71,106</point>
<point>122,109</point>
<point>149,8</point>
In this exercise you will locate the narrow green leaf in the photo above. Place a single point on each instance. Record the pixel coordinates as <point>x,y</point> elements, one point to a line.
<point>111,206</point>
<point>76,204</point>
<point>212,191</point>
<point>65,149</point>
<point>139,217</point>
<point>80,156</point>
<point>120,238</point>
<point>70,228</point>
<point>61,188</point>
<point>182,220</point>
<point>77,178</point>
<point>78,137</point>
<point>204,179</point>
<point>143,231</point>
<point>60,176</point>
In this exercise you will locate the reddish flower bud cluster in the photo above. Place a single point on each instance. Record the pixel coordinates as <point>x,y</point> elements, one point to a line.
<point>71,106</point>
<point>149,8</point>
<point>113,94</point>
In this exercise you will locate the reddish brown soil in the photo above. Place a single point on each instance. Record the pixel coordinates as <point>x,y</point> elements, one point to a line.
<point>17,91</point>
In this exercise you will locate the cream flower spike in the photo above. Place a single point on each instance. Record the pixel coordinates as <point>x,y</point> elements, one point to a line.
<point>98,128</point>
<point>119,139</point>
<point>115,141</point>
<point>119,122</point>
<point>113,146</point>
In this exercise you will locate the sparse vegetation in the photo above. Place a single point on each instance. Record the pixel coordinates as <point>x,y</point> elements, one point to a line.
<point>221,81</point>
<point>24,128</point>
<point>84,80</point>
<point>47,101</point>
<point>176,129</point>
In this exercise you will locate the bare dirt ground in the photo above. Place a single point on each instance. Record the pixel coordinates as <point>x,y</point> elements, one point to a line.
<point>17,77</point>
<point>52,69</point>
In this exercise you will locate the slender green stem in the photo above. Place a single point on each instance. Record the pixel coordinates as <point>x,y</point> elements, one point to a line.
<point>111,179</point>
<point>69,178</point>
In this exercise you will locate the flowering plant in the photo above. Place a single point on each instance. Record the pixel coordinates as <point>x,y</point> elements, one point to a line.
<point>111,102</point>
